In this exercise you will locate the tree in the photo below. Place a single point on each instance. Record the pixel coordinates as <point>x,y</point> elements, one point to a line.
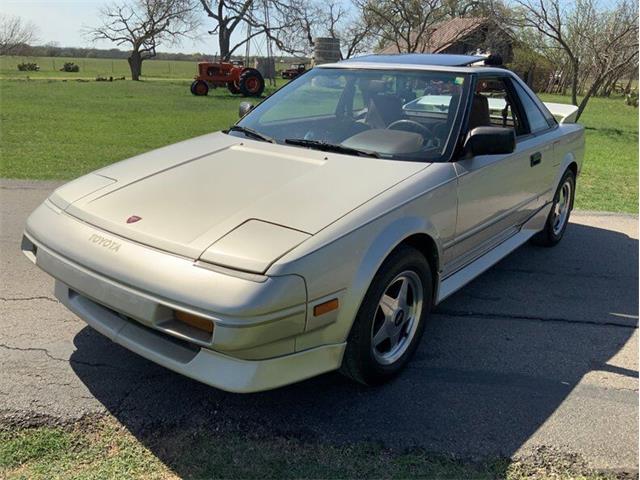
<point>405,24</point>
<point>272,18</point>
<point>596,44</point>
<point>143,25</point>
<point>328,19</point>
<point>15,34</point>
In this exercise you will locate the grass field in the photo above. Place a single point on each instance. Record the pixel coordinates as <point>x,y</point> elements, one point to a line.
<point>104,449</point>
<point>609,180</point>
<point>93,67</point>
<point>52,129</point>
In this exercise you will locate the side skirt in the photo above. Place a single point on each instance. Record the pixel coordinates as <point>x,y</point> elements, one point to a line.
<point>459,279</point>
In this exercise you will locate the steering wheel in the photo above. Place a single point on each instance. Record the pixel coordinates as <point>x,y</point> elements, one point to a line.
<point>411,126</point>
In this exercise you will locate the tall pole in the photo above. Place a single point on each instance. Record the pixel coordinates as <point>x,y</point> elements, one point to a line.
<point>270,61</point>
<point>247,47</point>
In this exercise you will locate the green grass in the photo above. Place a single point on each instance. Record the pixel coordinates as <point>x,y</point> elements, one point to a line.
<point>93,67</point>
<point>60,130</point>
<point>609,178</point>
<point>104,449</point>
<point>52,129</point>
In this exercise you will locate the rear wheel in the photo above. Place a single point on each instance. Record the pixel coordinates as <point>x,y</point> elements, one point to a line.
<point>558,218</point>
<point>251,83</point>
<point>199,88</point>
<point>390,322</point>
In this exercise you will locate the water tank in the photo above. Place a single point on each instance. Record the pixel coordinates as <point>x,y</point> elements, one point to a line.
<point>326,50</point>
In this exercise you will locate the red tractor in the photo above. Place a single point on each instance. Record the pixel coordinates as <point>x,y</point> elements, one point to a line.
<point>237,78</point>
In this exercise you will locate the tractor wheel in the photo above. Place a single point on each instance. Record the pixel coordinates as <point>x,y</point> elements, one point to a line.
<point>251,83</point>
<point>233,88</point>
<point>199,88</point>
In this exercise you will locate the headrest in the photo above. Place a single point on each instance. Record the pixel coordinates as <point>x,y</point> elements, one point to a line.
<point>373,86</point>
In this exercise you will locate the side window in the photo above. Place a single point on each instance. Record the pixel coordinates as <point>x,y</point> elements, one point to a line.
<point>492,105</point>
<point>537,121</point>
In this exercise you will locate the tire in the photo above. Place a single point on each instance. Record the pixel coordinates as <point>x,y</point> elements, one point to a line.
<point>199,88</point>
<point>233,88</point>
<point>251,83</point>
<point>558,218</point>
<point>370,358</point>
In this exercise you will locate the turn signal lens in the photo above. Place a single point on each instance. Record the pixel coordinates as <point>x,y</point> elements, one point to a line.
<point>325,307</point>
<point>195,321</point>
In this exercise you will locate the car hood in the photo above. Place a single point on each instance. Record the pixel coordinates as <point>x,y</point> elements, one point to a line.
<point>240,203</point>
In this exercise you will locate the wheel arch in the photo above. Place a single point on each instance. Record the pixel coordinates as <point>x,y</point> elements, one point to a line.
<point>426,245</point>
<point>569,162</point>
<point>412,231</point>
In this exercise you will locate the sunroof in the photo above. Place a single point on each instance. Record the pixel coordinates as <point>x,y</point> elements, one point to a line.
<point>420,59</point>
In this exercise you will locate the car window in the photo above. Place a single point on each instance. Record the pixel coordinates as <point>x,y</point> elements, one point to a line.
<point>537,121</point>
<point>492,105</point>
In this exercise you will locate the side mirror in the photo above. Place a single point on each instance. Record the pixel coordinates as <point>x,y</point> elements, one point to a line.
<point>245,107</point>
<point>490,141</point>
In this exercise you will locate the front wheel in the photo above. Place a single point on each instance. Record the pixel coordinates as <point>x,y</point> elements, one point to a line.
<point>558,218</point>
<point>390,322</point>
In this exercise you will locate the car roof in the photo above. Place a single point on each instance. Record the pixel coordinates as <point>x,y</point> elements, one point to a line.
<point>436,59</point>
<point>419,61</point>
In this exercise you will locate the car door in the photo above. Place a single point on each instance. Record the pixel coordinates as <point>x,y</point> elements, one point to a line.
<point>495,193</point>
<point>538,143</point>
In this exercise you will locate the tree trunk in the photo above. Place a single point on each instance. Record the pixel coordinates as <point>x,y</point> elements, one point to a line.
<point>574,82</point>
<point>135,64</point>
<point>224,40</point>
<point>583,104</point>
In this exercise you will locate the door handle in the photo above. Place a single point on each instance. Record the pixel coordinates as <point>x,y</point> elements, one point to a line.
<point>535,159</point>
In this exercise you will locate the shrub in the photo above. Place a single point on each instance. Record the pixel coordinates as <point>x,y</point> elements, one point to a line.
<point>28,67</point>
<point>70,67</point>
<point>632,98</point>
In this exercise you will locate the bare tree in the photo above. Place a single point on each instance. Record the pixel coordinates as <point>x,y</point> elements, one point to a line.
<point>405,24</point>
<point>466,8</point>
<point>357,38</point>
<point>271,18</point>
<point>15,34</point>
<point>596,43</point>
<point>228,16</point>
<point>143,25</point>
<point>328,19</point>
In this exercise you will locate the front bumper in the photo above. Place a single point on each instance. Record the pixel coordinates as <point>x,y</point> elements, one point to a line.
<point>130,296</point>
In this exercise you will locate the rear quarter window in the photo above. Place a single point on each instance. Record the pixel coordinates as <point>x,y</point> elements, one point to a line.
<point>537,120</point>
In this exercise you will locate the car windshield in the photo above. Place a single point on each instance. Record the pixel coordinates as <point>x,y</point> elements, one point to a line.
<point>403,115</point>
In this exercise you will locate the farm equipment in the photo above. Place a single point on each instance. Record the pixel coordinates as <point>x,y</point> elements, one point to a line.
<point>295,70</point>
<point>237,78</point>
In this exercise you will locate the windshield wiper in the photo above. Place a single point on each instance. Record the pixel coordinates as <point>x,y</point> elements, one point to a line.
<point>249,132</point>
<point>330,147</point>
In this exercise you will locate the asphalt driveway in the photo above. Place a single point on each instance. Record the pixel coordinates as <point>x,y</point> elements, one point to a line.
<point>539,352</point>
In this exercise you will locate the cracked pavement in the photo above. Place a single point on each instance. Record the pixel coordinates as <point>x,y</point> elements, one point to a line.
<point>539,352</point>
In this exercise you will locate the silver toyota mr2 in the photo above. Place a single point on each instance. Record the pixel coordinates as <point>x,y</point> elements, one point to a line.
<point>319,231</point>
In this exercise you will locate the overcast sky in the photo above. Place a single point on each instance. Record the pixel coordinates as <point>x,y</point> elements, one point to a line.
<point>61,21</point>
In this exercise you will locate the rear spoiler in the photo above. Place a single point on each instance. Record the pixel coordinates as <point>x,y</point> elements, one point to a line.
<point>562,112</point>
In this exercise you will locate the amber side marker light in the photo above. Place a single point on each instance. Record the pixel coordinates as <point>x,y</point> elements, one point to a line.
<point>325,307</point>
<point>194,321</point>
